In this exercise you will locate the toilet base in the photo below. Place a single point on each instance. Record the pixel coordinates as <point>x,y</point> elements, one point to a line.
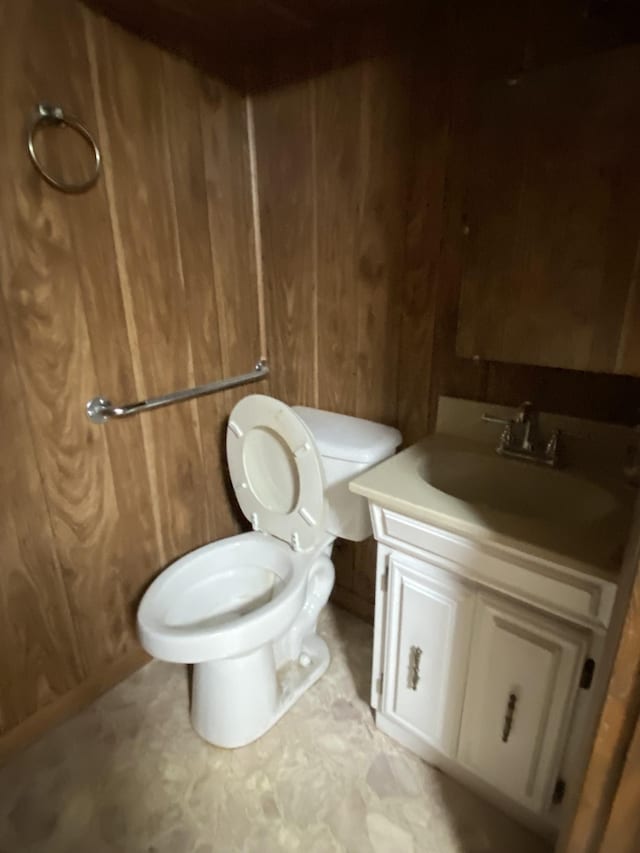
<point>236,700</point>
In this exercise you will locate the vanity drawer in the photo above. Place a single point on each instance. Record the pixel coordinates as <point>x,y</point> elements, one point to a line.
<point>542,583</point>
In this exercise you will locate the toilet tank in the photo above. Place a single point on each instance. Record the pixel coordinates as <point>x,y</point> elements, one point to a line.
<point>348,446</point>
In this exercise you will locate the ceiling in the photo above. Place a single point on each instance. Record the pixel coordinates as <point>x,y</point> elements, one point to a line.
<point>247,42</point>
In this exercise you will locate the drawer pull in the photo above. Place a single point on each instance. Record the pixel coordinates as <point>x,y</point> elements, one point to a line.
<point>508,717</point>
<point>415,653</point>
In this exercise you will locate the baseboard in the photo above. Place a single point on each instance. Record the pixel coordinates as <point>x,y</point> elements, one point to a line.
<point>348,600</point>
<point>66,706</point>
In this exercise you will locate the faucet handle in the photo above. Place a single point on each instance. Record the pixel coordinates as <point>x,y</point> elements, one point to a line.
<point>554,448</point>
<point>506,437</point>
<point>524,414</point>
<point>494,419</point>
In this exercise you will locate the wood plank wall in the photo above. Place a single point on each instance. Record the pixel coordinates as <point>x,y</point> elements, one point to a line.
<point>143,285</point>
<point>470,44</point>
<point>606,818</point>
<point>153,281</point>
<point>333,158</point>
<point>361,199</point>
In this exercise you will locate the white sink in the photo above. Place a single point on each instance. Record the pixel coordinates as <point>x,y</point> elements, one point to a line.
<point>518,488</point>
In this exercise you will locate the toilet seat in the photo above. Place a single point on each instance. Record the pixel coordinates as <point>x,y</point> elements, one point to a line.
<point>276,471</point>
<point>213,603</point>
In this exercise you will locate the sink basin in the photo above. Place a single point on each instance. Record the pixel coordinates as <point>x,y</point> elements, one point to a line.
<point>518,488</point>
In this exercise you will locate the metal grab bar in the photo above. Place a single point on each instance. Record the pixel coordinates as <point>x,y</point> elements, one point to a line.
<point>100,410</point>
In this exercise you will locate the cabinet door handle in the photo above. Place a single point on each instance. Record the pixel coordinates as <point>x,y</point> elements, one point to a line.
<point>415,653</point>
<point>508,717</point>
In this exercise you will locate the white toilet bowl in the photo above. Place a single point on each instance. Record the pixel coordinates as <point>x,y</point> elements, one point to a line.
<point>244,610</point>
<point>239,609</point>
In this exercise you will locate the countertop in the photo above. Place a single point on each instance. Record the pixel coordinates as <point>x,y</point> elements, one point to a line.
<point>400,484</point>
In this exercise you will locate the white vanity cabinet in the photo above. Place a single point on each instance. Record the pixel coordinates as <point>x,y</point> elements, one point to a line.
<point>524,672</point>
<point>429,624</point>
<point>478,668</point>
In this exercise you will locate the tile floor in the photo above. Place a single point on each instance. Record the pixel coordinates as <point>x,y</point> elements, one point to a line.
<point>129,774</point>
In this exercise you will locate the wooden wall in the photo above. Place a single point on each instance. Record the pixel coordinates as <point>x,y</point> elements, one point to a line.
<point>143,285</point>
<point>158,278</point>
<point>361,191</point>
<point>333,157</point>
<point>605,814</point>
<point>469,45</point>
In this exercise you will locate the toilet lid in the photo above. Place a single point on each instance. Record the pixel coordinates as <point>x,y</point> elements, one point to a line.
<point>276,471</point>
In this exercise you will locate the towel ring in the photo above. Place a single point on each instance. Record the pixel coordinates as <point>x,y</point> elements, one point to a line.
<point>46,114</point>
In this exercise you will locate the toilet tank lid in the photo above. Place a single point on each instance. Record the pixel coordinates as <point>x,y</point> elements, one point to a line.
<point>347,438</point>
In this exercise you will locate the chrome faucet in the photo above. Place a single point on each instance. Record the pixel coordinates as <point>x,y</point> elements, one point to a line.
<point>520,438</point>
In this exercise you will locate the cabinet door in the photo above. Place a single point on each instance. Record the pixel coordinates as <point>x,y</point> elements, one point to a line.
<point>523,676</point>
<point>429,621</point>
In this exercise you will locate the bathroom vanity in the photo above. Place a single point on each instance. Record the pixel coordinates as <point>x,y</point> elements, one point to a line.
<point>496,581</point>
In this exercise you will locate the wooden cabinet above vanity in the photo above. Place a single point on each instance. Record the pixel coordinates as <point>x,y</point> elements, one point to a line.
<point>551,222</point>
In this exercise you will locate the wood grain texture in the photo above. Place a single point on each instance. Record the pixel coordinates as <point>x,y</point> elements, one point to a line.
<point>337,197</point>
<point>152,282</point>
<point>40,656</point>
<point>231,227</point>
<point>51,714</point>
<point>623,827</point>
<point>361,174</point>
<point>552,214</point>
<point>338,202</point>
<point>431,87</point>
<point>333,175</point>
<point>185,99</point>
<point>605,819</point>
<point>285,141</point>
<point>43,296</point>
<point>384,174</point>
<point>128,78</point>
<point>479,45</point>
<point>132,549</point>
<point>143,285</point>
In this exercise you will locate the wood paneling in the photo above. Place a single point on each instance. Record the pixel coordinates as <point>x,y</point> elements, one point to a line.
<point>128,76</point>
<point>43,298</point>
<point>40,655</point>
<point>153,280</point>
<point>185,99</point>
<point>145,284</point>
<point>478,45</point>
<point>623,827</point>
<point>70,701</point>
<point>333,176</point>
<point>551,215</point>
<point>361,317</point>
<point>606,817</point>
<point>285,141</point>
<point>432,88</point>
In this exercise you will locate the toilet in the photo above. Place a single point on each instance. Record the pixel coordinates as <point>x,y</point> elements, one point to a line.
<point>244,610</point>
